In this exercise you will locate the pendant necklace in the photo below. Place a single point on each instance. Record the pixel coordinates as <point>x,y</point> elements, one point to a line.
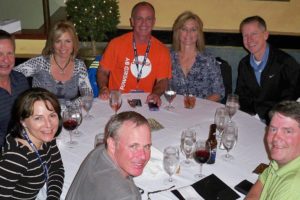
<point>62,69</point>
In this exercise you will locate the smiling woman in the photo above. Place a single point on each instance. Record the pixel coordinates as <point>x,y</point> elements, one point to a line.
<point>57,69</point>
<point>31,143</point>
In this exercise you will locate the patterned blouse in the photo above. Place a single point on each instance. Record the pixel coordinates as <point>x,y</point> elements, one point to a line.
<point>39,68</point>
<point>22,174</point>
<point>203,80</point>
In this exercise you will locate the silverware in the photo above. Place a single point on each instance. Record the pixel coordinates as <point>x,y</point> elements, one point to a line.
<point>157,191</point>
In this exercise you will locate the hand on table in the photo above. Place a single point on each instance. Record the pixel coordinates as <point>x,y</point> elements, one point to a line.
<point>154,98</point>
<point>104,93</point>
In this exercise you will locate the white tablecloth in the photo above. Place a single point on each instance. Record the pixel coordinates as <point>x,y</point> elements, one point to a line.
<point>248,153</point>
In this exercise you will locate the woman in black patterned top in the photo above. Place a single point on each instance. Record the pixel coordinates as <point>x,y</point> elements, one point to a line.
<point>30,157</point>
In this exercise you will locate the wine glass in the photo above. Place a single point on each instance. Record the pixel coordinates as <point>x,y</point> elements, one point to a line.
<point>201,155</point>
<point>188,139</point>
<point>70,123</point>
<point>232,104</point>
<point>115,100</point>
<point>229,139</point>
<point>170,162</point>
<point>221,119</point>
<point>87,99</point>
<point>170,94</point>
<point>78,117</point>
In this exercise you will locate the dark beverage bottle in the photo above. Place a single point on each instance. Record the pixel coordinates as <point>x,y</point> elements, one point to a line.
<point>213,143</point>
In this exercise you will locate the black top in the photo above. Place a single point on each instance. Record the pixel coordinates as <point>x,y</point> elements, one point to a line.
<point>22,174</point>
<point>278,82</point>
<point>18,84</point>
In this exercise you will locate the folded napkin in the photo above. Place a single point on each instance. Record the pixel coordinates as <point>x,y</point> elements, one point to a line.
<point>154,125</point>
<point>208,188</point>
<point>154,165</point>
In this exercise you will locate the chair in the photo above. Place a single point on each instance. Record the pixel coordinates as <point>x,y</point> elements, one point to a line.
<point>227,77</point>
<point>92,73</point>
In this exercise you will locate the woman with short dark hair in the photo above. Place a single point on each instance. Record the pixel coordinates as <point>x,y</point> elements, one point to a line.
<point>30,157</point>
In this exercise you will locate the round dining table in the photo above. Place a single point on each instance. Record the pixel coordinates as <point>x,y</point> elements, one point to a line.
<point>248,152</point>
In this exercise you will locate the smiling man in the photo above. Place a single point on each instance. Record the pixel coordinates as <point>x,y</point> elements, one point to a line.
<point>108,170</point>
<point>281,179</point>
<point>136,61</point>
<point>267,75</point>
<point>11,83</point>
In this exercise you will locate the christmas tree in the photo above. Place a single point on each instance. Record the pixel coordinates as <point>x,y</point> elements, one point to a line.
<point>93,19</point>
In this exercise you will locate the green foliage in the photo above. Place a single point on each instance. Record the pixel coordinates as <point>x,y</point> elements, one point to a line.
<point>93,19</point>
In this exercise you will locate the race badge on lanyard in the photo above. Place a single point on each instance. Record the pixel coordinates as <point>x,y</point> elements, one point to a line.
<point>139,74</point>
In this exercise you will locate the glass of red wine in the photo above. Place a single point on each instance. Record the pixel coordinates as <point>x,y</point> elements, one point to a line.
<point>170,162</point>
<point>70,123</point>
<point>201,155</point>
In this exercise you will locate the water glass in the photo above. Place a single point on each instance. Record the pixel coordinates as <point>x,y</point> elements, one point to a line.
<point>229,139</point>
<point>87,99</point>
<point>188,139</point>
<point>232,105</point>
<point>170,162</point>
<point>170,95</point>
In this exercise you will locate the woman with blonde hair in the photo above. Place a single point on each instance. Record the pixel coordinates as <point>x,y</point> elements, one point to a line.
<point>57,69</point>
<point>193,70</point>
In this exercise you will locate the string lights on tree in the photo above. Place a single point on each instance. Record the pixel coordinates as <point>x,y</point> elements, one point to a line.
<point>93,19</point>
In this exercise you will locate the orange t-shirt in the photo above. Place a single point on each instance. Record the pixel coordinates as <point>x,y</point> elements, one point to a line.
<point>119,59</point>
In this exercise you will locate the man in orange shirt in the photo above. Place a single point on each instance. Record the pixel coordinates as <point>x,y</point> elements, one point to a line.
<point>136,61</point>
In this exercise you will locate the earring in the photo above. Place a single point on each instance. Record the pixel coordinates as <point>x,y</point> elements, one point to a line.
<point>23,124</point>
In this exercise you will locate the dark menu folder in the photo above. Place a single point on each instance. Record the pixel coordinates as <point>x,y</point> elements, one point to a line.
<point>211,188</point>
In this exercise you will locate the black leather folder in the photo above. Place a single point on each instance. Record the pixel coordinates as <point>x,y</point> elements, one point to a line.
<point>211,188</point>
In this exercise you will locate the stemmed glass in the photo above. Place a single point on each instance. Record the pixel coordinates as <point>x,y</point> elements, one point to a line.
<point>201,155</point>
<point>78,117</point>
<point>229,139</point>
<point>170,94</point>
<point>188,139</point>
<point>70,123</point>
<point>87,99</point>
<point>170,162</point>
<point>221,120</point>
<point>115,100</point>
<point>232,105</point>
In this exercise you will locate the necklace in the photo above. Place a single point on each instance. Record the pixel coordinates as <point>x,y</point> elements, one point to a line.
<point>62,69</point>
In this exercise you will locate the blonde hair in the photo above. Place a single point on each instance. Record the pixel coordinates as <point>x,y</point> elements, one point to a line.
<point>57,30</point>
<point>178,24</point>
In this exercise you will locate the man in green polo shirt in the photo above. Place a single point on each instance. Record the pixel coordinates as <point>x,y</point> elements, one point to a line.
<point>281,180</point>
